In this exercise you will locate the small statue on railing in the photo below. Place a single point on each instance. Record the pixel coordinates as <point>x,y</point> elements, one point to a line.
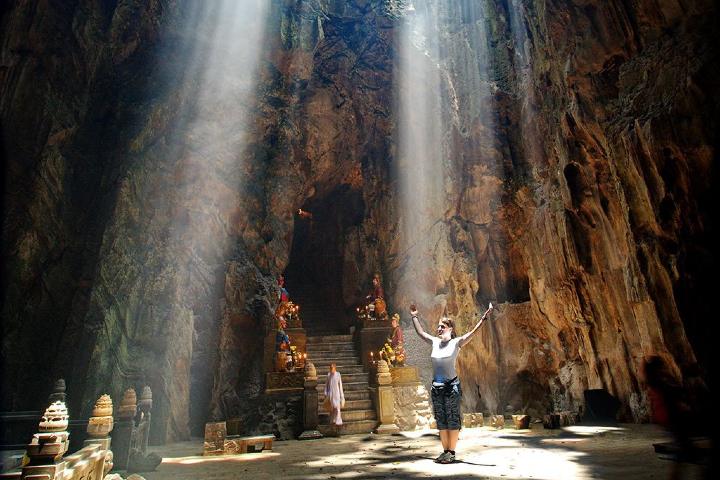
<point>283,294</point>
<point>287,308</point>
<point>282,339</point>
<point>387,353</point>
<point>397,342</point>
<point>377,308</point>
<point>283,349</point>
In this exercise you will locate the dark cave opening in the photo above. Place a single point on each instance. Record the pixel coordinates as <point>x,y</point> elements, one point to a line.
<point>316,270</point>
<point>575,182</point>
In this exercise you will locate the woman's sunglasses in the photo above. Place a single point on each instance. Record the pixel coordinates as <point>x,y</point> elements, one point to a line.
<point>442,327</point>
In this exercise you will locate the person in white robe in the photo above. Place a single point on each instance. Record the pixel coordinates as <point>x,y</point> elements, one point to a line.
<point>334,396</point>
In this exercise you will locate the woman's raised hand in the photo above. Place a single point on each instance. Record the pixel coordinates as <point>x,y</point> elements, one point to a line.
<point>413,310</point>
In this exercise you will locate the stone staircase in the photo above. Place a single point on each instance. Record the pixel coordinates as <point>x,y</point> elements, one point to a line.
<point>359,413</point>
<point>320,316</point>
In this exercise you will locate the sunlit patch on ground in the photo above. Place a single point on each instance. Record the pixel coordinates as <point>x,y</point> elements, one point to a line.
<point>197,459</point>
<point>577,452</point>
<point>591,430</point>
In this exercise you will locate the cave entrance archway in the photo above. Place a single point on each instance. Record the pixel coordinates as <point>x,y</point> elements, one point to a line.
<point>317,269</point>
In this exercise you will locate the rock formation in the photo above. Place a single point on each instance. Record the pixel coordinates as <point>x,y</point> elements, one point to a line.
<point>143,247</point>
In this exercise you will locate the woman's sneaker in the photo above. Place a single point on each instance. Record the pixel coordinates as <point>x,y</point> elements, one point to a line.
<point>448,457</point>
<point>441,457</point>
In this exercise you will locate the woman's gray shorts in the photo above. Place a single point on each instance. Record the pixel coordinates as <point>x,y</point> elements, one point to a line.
<point>446,405</point>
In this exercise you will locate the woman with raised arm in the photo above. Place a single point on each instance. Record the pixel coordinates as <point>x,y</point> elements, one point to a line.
<point>446,391</point>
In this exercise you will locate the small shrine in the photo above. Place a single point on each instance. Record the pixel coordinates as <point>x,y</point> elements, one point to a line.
<point>285,346</point>
<point>381,336</point>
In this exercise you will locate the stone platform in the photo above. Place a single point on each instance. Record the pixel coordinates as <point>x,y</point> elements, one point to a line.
<point>577,452</point>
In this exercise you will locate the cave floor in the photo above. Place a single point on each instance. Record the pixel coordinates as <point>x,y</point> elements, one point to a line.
<point>622,451</point>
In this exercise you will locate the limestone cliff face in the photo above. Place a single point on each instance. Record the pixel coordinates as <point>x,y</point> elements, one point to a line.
<point>142,245</point>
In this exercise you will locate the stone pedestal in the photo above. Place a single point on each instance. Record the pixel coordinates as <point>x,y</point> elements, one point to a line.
<point>406,375</point>
<point>371,339</point>
<point>473,420</point>
<point>310,405</point>
<point>522,422</point>
<point>412,401</point>
<point>497,421</point>
<point>215,434</point>
<point>385,400</point>
<point>124,429</point>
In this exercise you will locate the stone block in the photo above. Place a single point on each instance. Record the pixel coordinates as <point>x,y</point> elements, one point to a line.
<point>473,420</point>
<point>215,434</point>
<point>497,421</point>
<point>522,422</point>
<point>412,406</point>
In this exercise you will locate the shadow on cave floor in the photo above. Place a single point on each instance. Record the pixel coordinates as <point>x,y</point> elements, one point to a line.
<point>624,451</point>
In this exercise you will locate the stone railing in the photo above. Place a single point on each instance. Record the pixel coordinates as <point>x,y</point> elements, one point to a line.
<point>130,440</point>
<point>384,400</point>
<point>87,464</point>
<point>46,457</point>
<point>310,404</point>
<point>47,448</point>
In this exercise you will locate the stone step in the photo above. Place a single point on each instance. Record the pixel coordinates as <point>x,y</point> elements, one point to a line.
<point>349,428</point>
<point>348,387</point>
<point>309,310</point>
<point>350,395</point>
<point>343,369</point>
<point>355,405</point>
<point>350,415</point>
<point>329,338</point>
<point>331,354</point>
<point>324,363</point>
<point>345,352</point>
<point>330,347</point>
<point>323,366</point>
<point>346,377</point>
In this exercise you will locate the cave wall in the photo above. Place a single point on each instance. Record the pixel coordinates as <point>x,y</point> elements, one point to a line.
<point>580,215</point>
<point>578,204</point>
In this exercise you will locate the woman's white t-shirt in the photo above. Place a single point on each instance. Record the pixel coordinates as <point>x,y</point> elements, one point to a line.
<point>443,358</point>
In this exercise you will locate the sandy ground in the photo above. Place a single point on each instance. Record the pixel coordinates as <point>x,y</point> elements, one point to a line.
<point>619,452</point>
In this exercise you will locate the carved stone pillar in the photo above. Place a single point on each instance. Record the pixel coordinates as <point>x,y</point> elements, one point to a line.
<point>47,447</point>
<point>99,427</point>
<point>139,460</point>
<point>144,407</point>
<point>124,429</point>
<point>310,404</point>
<point>385,400</point>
